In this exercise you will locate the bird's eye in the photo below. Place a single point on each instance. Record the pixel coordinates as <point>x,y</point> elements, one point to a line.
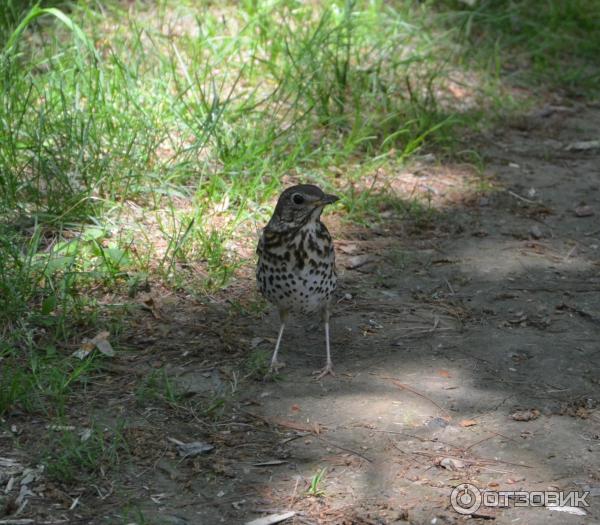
<point>297,198</point>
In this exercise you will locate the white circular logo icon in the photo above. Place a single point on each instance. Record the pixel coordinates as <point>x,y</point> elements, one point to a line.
<point>465,498</point>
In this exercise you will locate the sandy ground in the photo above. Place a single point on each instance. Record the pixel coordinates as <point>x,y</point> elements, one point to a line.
<point>466,351</point>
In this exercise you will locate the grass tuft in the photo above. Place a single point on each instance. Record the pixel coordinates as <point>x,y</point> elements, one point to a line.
<point>145,143</point>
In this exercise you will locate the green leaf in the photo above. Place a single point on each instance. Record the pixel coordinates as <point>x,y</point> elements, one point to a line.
<point>93,234</point>
<point>49,304</point>
<point>118,256</point>
<point>66,247</point>
<point>56,264</point>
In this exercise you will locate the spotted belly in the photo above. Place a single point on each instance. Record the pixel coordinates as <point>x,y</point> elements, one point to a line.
<point>296,290</point>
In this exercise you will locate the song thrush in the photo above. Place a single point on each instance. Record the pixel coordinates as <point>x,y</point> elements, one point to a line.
<point>296,260</point>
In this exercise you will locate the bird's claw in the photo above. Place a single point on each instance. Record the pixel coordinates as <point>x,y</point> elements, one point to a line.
<point>273,370</point>
<point>328,370</point>
<point>275,366</point>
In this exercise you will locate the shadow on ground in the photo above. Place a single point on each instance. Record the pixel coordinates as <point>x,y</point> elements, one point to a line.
<point>466,350</point>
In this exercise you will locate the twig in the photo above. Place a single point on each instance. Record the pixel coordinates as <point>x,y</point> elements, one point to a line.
<point>406,387</point>
<point>570,253</point>
<point>494,434</point>
<point>293,496</point>
<point>356,453</point>
<point>472,461</point>
<point>517,196</point>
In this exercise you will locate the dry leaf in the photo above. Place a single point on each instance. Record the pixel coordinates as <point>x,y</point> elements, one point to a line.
<point>150,303</point>
<point>347,248</point>
<point>100,342</point>
<point>356,261</point>
<point>468,423</point>
<point>315,428</point>
<point>192,449</point>
<point>443,373</point>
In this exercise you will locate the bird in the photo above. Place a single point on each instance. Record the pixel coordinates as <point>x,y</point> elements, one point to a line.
<point>296,261</point>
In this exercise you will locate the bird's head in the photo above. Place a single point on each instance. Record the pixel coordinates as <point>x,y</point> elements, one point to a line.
<point>298,205</point>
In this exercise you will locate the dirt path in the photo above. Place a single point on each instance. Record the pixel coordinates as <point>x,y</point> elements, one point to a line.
<point>449,338</point>
<point>447,332</point>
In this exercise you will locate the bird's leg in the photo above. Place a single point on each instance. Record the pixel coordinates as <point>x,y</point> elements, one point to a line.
<point>276,365</point>
<point>328,370</point>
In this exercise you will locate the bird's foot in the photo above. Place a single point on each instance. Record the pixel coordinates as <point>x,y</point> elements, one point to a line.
<point>273,370</point>
<point>275,366</point>
<point>327,371</point>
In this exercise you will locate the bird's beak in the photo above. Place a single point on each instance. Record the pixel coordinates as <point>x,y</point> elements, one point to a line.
<point>328,199</point>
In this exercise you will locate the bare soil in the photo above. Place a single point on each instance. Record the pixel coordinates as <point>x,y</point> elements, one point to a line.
<point>466,347</point>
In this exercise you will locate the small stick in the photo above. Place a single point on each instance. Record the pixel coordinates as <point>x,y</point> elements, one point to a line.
<point>356,453</point>
<point>516,195</point>
<point>406,387</point>
<point>570,252</point>
<point>293,497</point>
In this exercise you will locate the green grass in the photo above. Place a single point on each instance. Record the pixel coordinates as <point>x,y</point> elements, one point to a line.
<point>145,142</point>
<point>70,456</point>
<point>157,386</point>
<point>551,42</point>
<point>315,488</point>
<point>40,379</point>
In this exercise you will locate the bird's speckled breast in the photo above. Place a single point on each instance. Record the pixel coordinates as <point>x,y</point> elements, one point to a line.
<point>296,270</point>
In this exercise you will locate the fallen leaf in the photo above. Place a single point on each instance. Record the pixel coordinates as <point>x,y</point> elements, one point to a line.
<point>195,448</point>
<point>315,428</point>
<point>100,342</point>
<point>468,423</point>
<point>347,248</point>
<point>356,261</point>
<point>443,373</point>
<point>512,481</point>
<point>149,302</point>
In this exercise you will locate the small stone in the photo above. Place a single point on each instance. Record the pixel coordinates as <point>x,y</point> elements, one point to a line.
<point>535,232</point>
<point>584,211</point>
<point>526,415</point>
<point>583,145</point>
<point>451,463</point>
